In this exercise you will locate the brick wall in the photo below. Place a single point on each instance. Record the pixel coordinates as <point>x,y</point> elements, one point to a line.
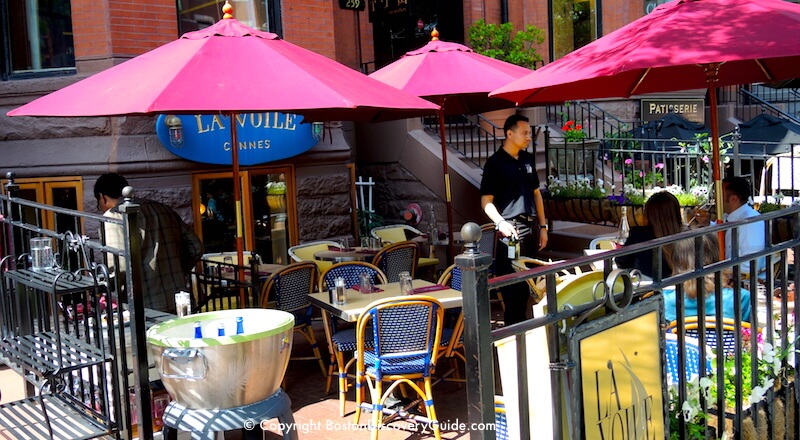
<point>107,33</point>
<point>310,24</point>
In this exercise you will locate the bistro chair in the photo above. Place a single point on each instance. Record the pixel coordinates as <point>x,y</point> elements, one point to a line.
<point>392,234</point>
<point>341,341</point>
<point>692,350</point>
<point>290,287</point>
<point>605,243</point>
<point>217,285</point>
<point>692,329</point>
<point>306,251</point>
<point>538,285</point>
<point>396,258</point>
<point>406,332</point>
<point>487,241</point>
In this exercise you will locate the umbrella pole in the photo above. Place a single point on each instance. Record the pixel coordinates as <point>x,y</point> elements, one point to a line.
<point>447,199</point>
<point>715,160</point>
<point>237,200</point>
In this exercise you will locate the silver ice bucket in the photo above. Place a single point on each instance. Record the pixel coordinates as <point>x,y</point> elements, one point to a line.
<point>217,372</point>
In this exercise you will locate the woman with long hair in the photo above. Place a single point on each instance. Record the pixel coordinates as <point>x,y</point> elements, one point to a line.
<point>662,213</point>
<point>682,260</point>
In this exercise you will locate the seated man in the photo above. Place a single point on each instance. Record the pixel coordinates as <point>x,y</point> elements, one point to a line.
<point>751,237</point>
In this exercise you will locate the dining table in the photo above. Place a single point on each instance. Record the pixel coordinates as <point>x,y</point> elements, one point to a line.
<point>357,302</point>
<point>337,255</point>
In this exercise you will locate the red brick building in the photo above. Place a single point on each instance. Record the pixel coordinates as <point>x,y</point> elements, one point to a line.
<point>64,41</point>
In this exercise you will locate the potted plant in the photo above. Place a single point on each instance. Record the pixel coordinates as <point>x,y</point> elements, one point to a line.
<point>577,200</point>
<point>502,42</point>
<point>276,196</point>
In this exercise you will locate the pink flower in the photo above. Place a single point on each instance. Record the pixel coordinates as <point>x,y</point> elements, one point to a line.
<point>641,173</point>
<point>628,161</point>
<point>705,159</point>
<point>659,166</point>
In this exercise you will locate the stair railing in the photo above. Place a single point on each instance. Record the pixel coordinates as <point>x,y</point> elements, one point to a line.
<point>475,137</point>
<point>765,105</point>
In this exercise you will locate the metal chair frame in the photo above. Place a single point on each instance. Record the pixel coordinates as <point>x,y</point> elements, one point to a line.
<point>406,332</point>
<point>342,341</point>
<point>293,299</point>
<point>692,326</point>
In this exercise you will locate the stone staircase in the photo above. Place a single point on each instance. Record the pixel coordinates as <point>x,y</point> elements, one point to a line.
<point>567,239</point>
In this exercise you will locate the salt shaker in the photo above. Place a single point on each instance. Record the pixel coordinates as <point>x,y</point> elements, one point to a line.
<point>341,297</point>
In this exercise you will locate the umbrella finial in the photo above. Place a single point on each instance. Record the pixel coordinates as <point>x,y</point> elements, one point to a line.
<point>434,35</point>
<point>227,10</point>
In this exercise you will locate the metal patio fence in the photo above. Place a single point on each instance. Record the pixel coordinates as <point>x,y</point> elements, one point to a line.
<point>556,410</point>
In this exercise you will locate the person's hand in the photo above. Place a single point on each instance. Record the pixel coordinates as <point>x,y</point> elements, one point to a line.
<point>507,229</point>
<point>542,238</point>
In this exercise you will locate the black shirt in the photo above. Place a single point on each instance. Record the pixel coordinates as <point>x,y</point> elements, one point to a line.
<point>511,182</point>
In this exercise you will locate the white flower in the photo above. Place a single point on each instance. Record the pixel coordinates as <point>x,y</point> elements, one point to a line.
<point>689,411</point>
<point>760,391</point>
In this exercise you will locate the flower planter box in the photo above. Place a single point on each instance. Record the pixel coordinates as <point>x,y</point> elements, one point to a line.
<point>583,210</point>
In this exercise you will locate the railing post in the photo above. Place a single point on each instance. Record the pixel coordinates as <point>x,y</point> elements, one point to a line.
<point>12,190</point>
<point>474,268</point>
<point>133,285</point>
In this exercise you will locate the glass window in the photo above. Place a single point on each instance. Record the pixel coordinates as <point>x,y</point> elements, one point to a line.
<point>574,25</point>
<point>64,192</point>
<point>39,37</point>
<point>258,14</point>
<point>267,210</point>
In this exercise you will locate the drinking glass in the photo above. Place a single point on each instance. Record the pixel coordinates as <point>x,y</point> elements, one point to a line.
<point>228,261</point>
<point>345,242</point>
<point>375,243</point>
<point>406,285</point>
<point>365,282</point>
<point>41,253</point>
<point>365,242</point>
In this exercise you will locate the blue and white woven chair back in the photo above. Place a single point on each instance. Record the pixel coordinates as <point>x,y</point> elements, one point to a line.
<point>455,280</point>
<point>292,285</point>
<point>728,339</point>
<point>404,334</point>
<point>351,272</point>
<point>399,258</point>
<point>692,350</point>
<point>488,239</point>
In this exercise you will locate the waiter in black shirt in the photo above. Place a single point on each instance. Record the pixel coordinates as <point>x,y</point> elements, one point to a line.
<point>510,197</point>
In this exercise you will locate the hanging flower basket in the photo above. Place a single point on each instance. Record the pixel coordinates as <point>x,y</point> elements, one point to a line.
<point>583,210</point>
<point>276,202</point>
<point>635,214</point>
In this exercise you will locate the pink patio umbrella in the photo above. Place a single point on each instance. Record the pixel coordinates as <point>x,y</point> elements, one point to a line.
<point>456,78</point>
<point>681,45</point>
<point>229,68</point>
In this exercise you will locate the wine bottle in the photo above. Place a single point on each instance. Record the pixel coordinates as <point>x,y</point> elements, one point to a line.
<point>624,228</point>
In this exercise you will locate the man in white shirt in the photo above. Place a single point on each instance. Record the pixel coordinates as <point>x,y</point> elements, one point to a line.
<point>736,194</point>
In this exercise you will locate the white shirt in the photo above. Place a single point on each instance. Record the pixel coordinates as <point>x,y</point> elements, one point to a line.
<point>751,236</point>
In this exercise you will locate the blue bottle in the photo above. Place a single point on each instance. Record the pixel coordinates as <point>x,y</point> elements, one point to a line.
<point>198,331</point>
<point>221,329</point>
<point>239,325</point>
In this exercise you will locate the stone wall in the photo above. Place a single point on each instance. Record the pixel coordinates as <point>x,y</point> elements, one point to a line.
<point>324,205</point>
<point>395,188</point>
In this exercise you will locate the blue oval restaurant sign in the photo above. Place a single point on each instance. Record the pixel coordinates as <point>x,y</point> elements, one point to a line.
<point>262,137</point>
